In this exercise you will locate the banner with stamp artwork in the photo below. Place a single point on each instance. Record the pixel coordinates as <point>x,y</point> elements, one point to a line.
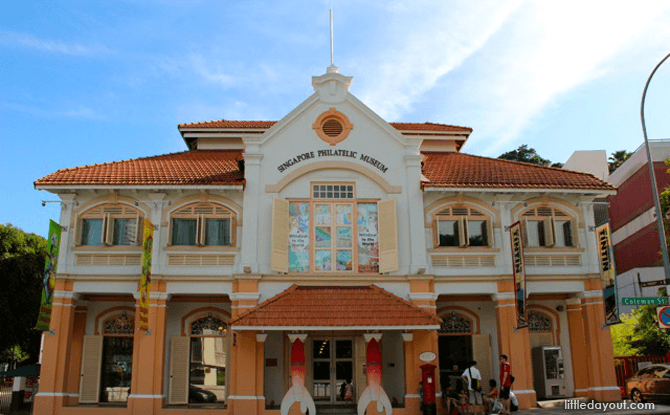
<point>519,272</point>
<point>298,237</point>
<point>145,282</point>
<point>49,276</point>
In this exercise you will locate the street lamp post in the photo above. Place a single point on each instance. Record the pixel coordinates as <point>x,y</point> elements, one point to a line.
<point>654,189</point>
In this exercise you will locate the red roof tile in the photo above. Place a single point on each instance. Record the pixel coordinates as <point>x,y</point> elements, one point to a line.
<point>335,306</point>
<point>400,126</point>
<point>197,167</point>
<point>468,171</point>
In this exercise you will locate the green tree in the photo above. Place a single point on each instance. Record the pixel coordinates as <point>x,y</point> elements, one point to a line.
<point>527,155</point>
<point>617,159</point>
<point>649,339</point>
<point>22,258</point>
<point>623,335</point>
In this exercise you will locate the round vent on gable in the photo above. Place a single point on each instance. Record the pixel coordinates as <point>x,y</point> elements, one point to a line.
<point>332,126</point>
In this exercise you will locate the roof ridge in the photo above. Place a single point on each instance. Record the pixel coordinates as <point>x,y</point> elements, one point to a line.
<point>523,163</point>
<point>266,302</point>
<point>401,300</point>
<point>110,163</point>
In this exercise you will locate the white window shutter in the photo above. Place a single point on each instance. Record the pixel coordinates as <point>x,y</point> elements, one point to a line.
<point>109,229</point>
<point>463,232</point>
<point>388,235</point>
<point>91,366</point>
<point>179,369</point>
<point>524,232</point>
<point>200,231</point>
<point>279,253</point>
<point>481,353</point>
<point>574,232</point>
<point>549,235</point>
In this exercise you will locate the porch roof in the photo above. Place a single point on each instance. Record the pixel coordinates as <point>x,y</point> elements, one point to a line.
<point>336,308</point>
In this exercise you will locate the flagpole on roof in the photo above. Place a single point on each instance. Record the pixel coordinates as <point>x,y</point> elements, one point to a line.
<point>332,68</point>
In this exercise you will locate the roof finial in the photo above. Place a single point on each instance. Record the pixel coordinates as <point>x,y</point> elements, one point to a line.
<point>332,68</point>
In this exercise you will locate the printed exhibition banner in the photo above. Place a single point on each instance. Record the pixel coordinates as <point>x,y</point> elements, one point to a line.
<point>519,269</point>
<point>607,274</point>
<point>49,276</point>
<point>298,237</point>
<point>145,282</point>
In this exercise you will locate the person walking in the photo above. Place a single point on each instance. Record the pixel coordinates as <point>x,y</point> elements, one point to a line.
<point>505,383</point>
<point>474,382</point>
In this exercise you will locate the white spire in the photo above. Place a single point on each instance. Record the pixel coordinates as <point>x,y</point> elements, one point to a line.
<point>332,68</point>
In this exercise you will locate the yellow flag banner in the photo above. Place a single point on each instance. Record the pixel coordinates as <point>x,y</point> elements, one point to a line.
<point>145,282</point>
<point>607,274</point>
<point>519,272</point>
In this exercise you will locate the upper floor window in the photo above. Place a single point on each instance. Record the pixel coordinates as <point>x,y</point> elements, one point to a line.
<point>110,224</point>
<point>548,226</point>
<point>202,224</point>
<point>462,226</point>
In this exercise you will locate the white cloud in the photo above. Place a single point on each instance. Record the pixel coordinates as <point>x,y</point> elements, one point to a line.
<point>32,42</point>
<point>421,44</point>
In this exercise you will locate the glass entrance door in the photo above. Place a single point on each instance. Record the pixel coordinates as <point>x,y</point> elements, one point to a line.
<point>332,365</point>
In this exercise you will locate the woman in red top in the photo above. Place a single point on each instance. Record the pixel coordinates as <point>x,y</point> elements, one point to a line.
<point>505,383</point>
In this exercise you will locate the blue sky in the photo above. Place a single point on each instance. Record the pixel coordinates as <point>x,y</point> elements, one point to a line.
<point>84,82</point>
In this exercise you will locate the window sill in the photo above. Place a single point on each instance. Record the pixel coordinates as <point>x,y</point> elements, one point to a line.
<point>107,248</point>
<point>546,250</point>
<point>194,248</point>
<point>463,249</point>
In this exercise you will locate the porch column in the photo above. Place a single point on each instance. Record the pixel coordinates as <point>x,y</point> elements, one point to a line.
<point>577,346</point>
<point>56,357</point>
<point>248,352</point>
<point>599,360</point>
<point>412,376</point>
<point>78,331</point>
<point>515,343</point>
<point>149,354</point>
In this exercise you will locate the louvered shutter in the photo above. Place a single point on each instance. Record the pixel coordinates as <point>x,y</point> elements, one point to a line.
<point>549,234</point>
<point>463,236</point>
<point>91,366</point>
<point>573,230</point>
<point>108,232</point>
<point>179,367</point>
<point>524,232</point>
<point>388,235</point>
<point>279,254</point>
<point>481,353</point>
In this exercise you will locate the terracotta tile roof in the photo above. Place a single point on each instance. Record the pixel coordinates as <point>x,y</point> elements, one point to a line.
<point>335,306</point>
<point>400,126</point>
<point>468,171</point>
<point>197,167</point>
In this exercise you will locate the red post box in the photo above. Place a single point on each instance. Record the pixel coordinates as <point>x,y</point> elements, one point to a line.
<point>428,380</point>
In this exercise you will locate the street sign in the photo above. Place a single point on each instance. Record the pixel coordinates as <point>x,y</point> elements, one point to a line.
<point>652,283</point>
<point>663,314</point>
<point>644,301</point>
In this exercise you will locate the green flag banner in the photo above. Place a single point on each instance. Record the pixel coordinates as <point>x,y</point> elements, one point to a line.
<point>53,244</point>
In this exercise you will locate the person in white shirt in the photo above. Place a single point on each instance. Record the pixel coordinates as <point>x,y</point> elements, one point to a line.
<point>474,388</point>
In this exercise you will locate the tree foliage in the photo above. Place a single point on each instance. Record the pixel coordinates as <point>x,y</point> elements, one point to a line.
<point>22,258</point>
<point>528,155</point>
<point>617,159</point>
<point>623,335</point>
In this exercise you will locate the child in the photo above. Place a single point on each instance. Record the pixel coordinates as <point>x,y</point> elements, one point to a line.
<point>450,399</point>
<point>491,400</point>
<point>465,402</point>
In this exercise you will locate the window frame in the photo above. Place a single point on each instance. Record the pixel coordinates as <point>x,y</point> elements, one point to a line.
<point>130,316</point>
<point>201,223</point>
<point>333,225</point>
<point>226,338</point>
<point>462,224</point>
<point>549,224</point>
<point>102,212</point>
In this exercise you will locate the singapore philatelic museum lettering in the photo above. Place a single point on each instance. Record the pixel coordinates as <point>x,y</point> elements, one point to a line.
<point>326,153</point>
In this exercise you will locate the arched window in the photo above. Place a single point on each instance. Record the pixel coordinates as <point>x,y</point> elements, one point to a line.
<point>462,226</point>
<point>453,323</point>
<point>110,224</point>
<point>117,357</point>
<point>203,224</point>
<point>208,348</point>
<point>548,226</point>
